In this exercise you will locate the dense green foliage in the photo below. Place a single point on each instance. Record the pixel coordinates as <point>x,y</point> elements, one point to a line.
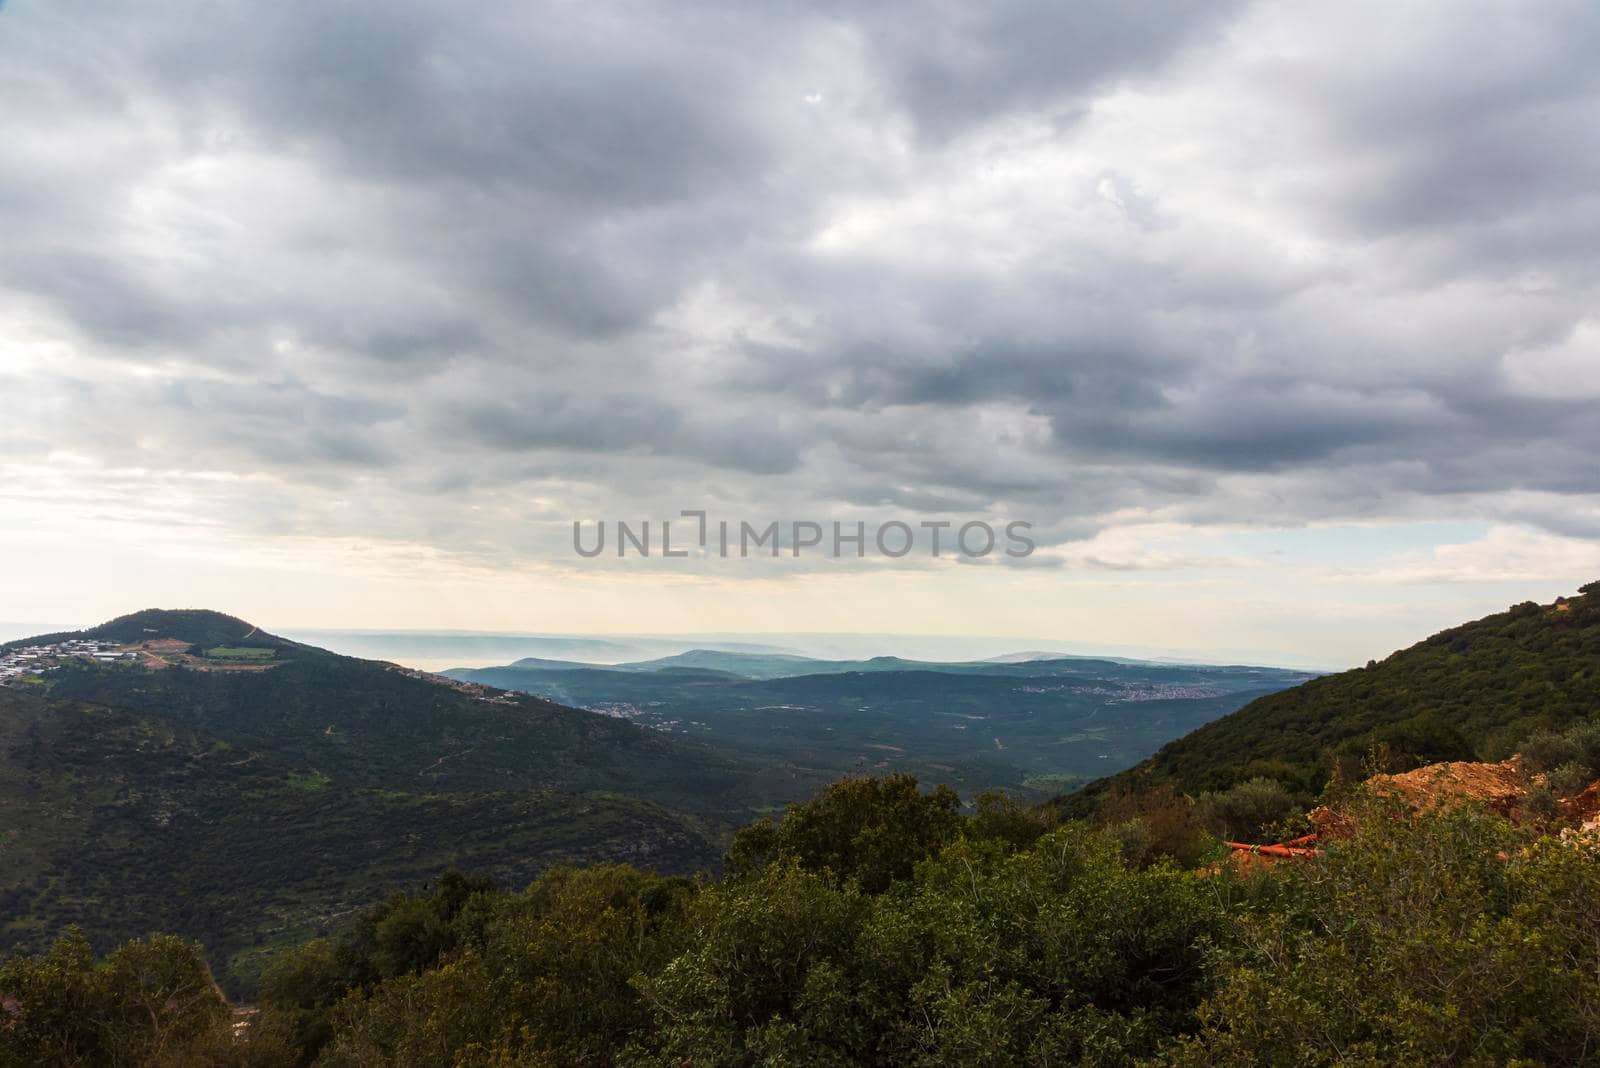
<point>1449,939</point>
<point>125,824</point>
<point>992,939</point>
<point>1474,692</point>
<point>148,1002</point>
<point>874,829</point>
<point>1256,810</point>
<point>1575,750</point>
<point>995,939</point>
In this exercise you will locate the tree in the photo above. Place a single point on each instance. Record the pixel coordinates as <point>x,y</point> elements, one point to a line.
<point>298,990</point>
<point>869,829</point>
<point>1253,811</point>
<point>148,1002</point>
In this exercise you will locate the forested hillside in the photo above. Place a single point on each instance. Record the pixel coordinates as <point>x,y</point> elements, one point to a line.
<point>879,926</point>
<point>126,824</point>
<point>375,724</point>
<point>217,782</point>
<point>1473,692</point>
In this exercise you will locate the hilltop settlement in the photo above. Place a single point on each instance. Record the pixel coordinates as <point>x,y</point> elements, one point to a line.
<point>32,661</point>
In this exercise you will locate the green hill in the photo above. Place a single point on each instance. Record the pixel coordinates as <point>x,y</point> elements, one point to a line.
<point>240,789</point>
<point>1473,692</point>
<point>127,824</point>
<point>374,724</point>
<point>201,628</point>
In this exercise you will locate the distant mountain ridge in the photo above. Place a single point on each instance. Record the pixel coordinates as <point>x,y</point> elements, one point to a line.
<point>1030,727</point>
<point>449,649</point>
<point>789,665</point>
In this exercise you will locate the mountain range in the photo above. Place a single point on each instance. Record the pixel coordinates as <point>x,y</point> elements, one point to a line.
<point>1032,727</point>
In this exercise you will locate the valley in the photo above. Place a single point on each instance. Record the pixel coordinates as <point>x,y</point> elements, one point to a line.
<point>1034,727</point>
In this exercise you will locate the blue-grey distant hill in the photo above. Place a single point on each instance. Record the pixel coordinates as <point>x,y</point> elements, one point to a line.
<point>1035,726</point>
<point>788,665</point>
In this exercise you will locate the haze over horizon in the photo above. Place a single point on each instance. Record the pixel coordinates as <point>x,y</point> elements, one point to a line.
<point>1278,324</point>
<point>436,650</point>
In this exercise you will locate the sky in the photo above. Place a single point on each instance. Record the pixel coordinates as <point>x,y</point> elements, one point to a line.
<point>1278,322</point>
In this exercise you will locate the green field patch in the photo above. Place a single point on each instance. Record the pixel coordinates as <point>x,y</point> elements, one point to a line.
<point>309,782</point>
<point>1094,734</point>
<point>1053,783</point>
<point>240,652</point>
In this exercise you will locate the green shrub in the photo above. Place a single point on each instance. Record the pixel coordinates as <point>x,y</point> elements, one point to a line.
<point>1448,939</point>
<point>1256,810</point>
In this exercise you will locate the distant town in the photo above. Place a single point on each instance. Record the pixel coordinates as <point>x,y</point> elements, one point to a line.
<point>31,661</point>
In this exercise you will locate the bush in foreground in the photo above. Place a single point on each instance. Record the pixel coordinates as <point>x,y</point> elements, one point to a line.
<point>986,939</point>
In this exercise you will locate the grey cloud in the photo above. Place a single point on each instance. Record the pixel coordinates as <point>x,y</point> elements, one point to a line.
<point>609,422</point>
<point>585,105</point>
<point>276,427</point>
<point>953,65</point>
<point>577,253</point>
<point>104,297</point>
<point>1244,425</point>
<point>398,340</point>
<point>552,420</point>
<point>1482,130</point>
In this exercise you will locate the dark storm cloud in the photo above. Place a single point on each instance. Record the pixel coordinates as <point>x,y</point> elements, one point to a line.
<point>953,65</point>
<point>1202,260</point>
<point>610,423</point>
<point>602,108</point>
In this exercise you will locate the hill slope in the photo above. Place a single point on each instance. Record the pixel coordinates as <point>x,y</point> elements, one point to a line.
<point>127,824</point>
<point>375,724</point>
<point>200,627</point>
<point>1473,692</point>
